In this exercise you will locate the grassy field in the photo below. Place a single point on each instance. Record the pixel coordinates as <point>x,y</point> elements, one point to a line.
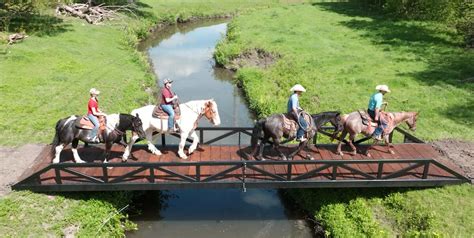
<point>48,76</point>
<point>340,53</point>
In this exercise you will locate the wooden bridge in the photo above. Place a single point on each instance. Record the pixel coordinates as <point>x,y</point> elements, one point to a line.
<point>213,165</point>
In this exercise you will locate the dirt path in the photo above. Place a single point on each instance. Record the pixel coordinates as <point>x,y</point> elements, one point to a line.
<point>13,162</point>
<point>459,152</point>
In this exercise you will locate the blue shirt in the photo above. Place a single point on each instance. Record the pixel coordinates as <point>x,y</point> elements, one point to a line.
<point>375,101</point>
<point>293,102</point>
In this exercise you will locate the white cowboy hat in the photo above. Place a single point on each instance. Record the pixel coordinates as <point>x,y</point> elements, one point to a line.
<point>382,87</point>
<point>298,88</point>
<point>94,91</point>
<point>167,80</point>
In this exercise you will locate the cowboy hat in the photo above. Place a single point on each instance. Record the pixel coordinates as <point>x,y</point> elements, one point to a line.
<point>167,80</point>
<point>94,91</point>
<point>382,87</point>
<point>298,88</point>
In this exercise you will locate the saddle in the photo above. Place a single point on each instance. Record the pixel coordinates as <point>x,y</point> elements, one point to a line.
<point>366,119</point>
<point>290,125</point>
<point>159,113</point>
<point>371,125</point>
<point>86,124</point>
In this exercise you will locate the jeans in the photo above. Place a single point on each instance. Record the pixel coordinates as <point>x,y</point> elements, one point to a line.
<point>381,124</point>
<point>169,109</point>
<point>302,128</point>
<point>94,121</point>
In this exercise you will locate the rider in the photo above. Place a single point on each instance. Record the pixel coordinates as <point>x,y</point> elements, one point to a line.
<point>375,104</point>
<point>167,98</point>
<point>294,109</point>
<point>93,112</point>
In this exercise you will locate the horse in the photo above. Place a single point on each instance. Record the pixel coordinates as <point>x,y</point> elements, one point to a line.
<point>191,112</point>
<point>116,126</point>
<point>353,125</point>
<point>273,126</point>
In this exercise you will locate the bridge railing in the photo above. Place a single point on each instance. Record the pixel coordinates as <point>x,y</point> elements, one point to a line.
<point>252,174</point>
<point>210,135</point>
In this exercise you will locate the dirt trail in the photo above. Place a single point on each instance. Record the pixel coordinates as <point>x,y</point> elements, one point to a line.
<point>459,152</point>
<point>13,162</point>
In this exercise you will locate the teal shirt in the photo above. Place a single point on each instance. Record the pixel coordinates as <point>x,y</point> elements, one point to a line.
<point>293,102</point>
<point>375,101</point>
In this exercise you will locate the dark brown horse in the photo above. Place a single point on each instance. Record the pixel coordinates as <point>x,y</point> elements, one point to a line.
<point>273,127</point>
<point>352,124</point>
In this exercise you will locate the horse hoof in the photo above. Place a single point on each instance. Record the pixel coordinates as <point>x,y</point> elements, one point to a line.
<point>392,152</point>
<point>184,157</point>
<point>55,161</point>
<point>369,155</point>
<point>124,159</point>
<point>354,153</point>
<point>157,152</point>
<point>80,161</point>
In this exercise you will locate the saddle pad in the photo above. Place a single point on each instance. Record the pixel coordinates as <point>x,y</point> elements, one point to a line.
<point>289,124</point>
<point>84,123</point>
<point>159,113</point>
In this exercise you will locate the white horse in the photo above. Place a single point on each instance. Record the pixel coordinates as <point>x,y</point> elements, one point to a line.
<point>191,112</point>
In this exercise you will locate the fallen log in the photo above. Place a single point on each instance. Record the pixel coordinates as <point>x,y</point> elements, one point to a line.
<point>75,12</point>
<point>14,38</point>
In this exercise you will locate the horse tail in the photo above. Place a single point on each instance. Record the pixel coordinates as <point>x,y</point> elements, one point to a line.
<point>56,136</point>
<point>257,132</point>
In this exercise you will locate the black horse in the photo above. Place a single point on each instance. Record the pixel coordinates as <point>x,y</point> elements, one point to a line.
<point>273,127</point>
<point>67,131</point>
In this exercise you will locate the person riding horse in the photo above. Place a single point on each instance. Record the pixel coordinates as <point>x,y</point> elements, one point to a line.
<point>167,101</point>
<point>93,112</point>
<point>374,109</point>
<point>294,109</point>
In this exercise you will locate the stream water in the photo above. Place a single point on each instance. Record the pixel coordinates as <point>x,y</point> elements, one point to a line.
<point>184,54</point>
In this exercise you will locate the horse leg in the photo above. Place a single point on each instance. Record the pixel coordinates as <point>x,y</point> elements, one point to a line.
<point>108,146</point>
<point>58,150</point>
<point>276,146</point>
<point>151,146</point>
<point>351,144</point>
<point>389,145</point>
<point>261,148</point>
<point>300,146</point>
<point>128,149</point>
<point>77,159</point>
<point>341,138</point>
<point>194,145</point>
<point>182,142</point>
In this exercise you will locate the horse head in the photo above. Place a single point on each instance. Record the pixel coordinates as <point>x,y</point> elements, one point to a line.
<point>411,121</point>
<point>211,112</point>
<point>137,126</point>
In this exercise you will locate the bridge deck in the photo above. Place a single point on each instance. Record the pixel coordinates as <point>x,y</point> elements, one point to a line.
<point>412,164</point>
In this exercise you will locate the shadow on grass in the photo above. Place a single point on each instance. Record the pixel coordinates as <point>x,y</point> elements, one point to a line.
<point>40,25</point>
<point>438,47</point>
<point>461,113</point>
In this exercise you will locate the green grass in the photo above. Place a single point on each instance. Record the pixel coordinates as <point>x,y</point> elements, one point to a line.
<point>27,214</point>
<point>340,53</point>
<point>437,212</point>
<point>48,76</point>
